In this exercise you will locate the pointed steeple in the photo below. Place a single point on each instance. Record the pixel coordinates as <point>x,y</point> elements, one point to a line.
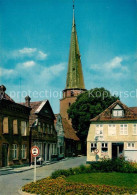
<point>75,78</point>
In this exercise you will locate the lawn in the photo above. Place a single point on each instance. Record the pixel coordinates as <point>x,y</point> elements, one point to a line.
<point>128,180</point>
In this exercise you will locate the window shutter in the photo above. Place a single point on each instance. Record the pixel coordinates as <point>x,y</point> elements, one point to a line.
<point>5,125</point>
<point>15,127</point>
<point>23,128</point>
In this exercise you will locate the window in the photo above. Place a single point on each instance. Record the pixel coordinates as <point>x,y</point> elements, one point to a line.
<point>39,127</point>
<point>134,129</point>
<point>51,129</point>
<point>5,125</point>
<point>44,128</point>
<point>130,145</point>
<point>72,93</point>
<point>23,128</point>
<point>48,128</point>
<point>124,129</point>
<point>104,147</point>
<point>15,151</point>
<point>111,129</point>
<point>93,147</point>
<point>15,127</point>
<point>23,152</point>
<point>39,145</point>
<point>118,111</point>
<point>99,130</point>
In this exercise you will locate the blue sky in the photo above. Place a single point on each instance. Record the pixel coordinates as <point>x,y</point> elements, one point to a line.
<point>35,39</point>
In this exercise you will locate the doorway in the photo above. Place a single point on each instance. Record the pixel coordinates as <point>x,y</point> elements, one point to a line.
<point>117,150</point>
<point>4,155</point>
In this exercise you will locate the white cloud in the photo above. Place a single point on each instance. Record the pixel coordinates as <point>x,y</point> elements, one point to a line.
<point>6,72</point>
<point>51,72</point>
<point>27,51</point>
<point>114,63</point>
<point>41,55</point>
<point>114,67</point>
<point>32,53</point>
<point>56,69</point>
<point>28,64</point>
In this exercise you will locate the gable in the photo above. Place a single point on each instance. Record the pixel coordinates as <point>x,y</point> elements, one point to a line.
<point>117,107</point>
<point>45,110</point>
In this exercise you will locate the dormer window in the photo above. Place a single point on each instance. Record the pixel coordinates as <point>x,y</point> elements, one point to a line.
<point>72,93</point>
<point>117,111</point>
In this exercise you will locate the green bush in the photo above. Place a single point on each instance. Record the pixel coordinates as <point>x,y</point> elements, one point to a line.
<point>109,165</point>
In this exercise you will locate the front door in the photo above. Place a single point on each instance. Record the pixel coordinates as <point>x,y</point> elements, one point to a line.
<point>117,149</point>
<point>4,155</point>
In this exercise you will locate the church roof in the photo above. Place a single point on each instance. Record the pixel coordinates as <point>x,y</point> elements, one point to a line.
<point>69,132</point>
<point>74,75</point>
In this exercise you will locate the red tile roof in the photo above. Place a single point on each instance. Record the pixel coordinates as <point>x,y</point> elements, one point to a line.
<point>106,115</point>
<point>34,106</point>
<point>134,109</point>
<point>7,97</point>
<point>69,132</point>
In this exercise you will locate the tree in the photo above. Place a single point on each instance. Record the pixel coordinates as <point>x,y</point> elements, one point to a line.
<point>87,106</point>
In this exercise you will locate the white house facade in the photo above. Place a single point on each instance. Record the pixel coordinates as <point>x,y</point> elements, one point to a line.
<point>113,134</point>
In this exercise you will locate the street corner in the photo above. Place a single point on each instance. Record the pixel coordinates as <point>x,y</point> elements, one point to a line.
<point>24,193</point>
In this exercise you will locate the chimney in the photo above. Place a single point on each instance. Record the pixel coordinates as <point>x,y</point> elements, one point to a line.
<point>27,101</point>
<point>2,91</point>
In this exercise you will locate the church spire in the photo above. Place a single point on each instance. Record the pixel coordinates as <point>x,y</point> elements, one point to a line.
<point>75,78</point>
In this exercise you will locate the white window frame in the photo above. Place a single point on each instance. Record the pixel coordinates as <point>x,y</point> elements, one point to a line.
<point>93,146</point>
<point>118,113</point>
<point>122,130</point>
<point>130,145</point>
<point>15,151</point>
<point>23,151</point>
<point>134,129</point>
<point>111,129</point>
<point>104,145</point>
<point>23,128</point>
<point>99,129</point>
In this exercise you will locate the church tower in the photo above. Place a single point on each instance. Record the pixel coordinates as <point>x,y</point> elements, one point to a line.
<point>75,81</point>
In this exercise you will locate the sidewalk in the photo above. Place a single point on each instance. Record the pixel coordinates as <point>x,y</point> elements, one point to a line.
<point>10,170</point>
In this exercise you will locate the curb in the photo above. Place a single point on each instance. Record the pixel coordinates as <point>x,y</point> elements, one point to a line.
<point>24,193</point>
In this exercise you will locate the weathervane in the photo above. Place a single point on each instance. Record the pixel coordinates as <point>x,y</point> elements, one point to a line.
<point>73,4</point>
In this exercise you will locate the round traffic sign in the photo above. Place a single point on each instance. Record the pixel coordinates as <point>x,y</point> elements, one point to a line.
<point>96,151</point>
<point>34,151</point>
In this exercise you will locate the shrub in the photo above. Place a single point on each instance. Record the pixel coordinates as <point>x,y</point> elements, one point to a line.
<point>106,165</point>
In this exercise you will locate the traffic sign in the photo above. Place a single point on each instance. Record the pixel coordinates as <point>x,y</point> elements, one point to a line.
<point>34,151</point>
<point>96,151</point>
